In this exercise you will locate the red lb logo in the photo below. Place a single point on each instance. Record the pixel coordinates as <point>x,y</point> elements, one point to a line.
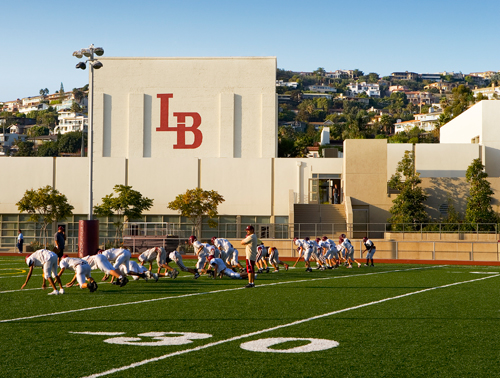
<point>181,127</point>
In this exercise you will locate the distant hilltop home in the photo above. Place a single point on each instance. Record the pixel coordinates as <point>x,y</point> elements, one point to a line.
<point>322,88</point>
<point>290,84</point>
<point>404,75</point>
<point>492,93</point>
<point>372,90</point>
<point>70,121</point>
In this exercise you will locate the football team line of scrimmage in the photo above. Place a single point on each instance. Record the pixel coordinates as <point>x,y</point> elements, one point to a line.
<point>215,260</point>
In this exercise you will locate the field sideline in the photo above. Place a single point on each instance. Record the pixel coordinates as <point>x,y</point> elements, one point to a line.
<point>390,320</point>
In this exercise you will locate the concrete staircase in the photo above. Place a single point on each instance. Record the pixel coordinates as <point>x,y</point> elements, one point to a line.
<point>319,220</point>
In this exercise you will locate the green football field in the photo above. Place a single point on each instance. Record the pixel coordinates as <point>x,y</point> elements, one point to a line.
<point>387,321</point>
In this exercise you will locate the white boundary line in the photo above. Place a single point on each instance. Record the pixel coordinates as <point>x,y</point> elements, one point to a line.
<point>211,292</point>
<point>140,363</point>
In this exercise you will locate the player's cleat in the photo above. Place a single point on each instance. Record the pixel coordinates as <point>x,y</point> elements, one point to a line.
<point>286,266</point>
<point>322,268</point>
<point>61,291</point>
<point>259,271</point>
<point>155,276</point>
<point>372,265</point>
<point>196,275</point>
<point>148,274</point>
<point>276,271</point>
<point>249,285</point>
<point>124,281</point>
<point>359,265</point>
<point>349,267</point>
<point>55,292</point>
<point>242,270</point>
<point>330,267</point>
<point>367,265</point>
<point>266,270</point>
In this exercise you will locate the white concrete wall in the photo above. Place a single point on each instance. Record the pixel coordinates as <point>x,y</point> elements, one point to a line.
<point>444,160</point>
<point>463,128</point>
<point>162,180</point>
<point>235,98</point>
<point>395,152</point>
<point>491,137</point>
<point>72,180</point>
<point>21,174</point>
<point>245,184</point>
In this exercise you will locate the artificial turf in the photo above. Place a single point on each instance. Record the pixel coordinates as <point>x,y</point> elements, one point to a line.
<point>387,322</point>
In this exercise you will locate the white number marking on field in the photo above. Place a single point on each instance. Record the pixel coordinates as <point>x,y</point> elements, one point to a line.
<point>264,345</point>
<point>164,338</point>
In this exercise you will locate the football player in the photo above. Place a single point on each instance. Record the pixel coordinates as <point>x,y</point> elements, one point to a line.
<point>100,262</point>
<point>348,250</point>
<point>82,272</point>
<point>220,269</point>
<point>274,260</point>
<point>48,261</point>
<point>370,247</point>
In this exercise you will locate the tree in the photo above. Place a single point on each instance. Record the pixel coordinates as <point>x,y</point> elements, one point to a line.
<point>46,205</point>
<point>479,208</point>
<point>408,207</point>
<point>44,93</point>
<point>196,204</point>
<point>38,130</point>
<point>47,149</point>
<point>127,205</point>
<point>75,108</point>
<point>24,148</point>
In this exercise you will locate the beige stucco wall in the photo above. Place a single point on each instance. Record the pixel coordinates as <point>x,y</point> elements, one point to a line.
<point>365,176</point>
<point>444,160</point>
<point>234,97</point>
<point>21,174</point>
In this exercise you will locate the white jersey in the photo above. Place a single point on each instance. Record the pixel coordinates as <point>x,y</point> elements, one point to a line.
<point>197,245</point>
<point>223,244</point>
<point>301,243</point>
<point>71,263</point>
<point>347,244</point>
<point>100,262</point>
<point>40,257</point>
<point>113,253</point>
<point>149,255</point>
<point>218,265</point>
<point>213,251</point>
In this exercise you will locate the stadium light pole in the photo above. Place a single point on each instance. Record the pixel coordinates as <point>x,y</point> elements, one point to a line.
<point>90,53</point>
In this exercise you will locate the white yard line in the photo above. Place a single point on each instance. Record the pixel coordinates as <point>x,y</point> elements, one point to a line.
<point>210,292</point>
<point>140,363</point>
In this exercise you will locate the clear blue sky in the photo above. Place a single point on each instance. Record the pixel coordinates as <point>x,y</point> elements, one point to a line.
<point>38,37</point>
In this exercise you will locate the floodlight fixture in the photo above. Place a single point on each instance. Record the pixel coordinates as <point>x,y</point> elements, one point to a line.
<point>87,53</point>
<point>81,65</point>
<point>78,54</point>
<point>99,51</point>
<point>97,65</point>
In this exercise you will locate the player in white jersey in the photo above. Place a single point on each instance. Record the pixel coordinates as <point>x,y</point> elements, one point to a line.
<point>142,271</point>
<point>318,254</point>
<point>370,247</point>
<point>224,246</point>
<point>150,255</point>
<point>349,251</point>
<point>331,252</point>
<point>228,252</point>
<point>82,272</point>
<point>261,258</point>
<point>177,258</point>
<point>48,261</point>
<point>118,256</point>
<point>100,262</point>
<point>274,259</point>
<point>220,269</point>
<point>305,250</point>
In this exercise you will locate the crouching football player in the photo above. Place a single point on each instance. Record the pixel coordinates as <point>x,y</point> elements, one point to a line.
<point>48,261</point>
<point>82,272</point>
<point>274,259</point>
<point>100,262</point>
<point>220,269</point>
